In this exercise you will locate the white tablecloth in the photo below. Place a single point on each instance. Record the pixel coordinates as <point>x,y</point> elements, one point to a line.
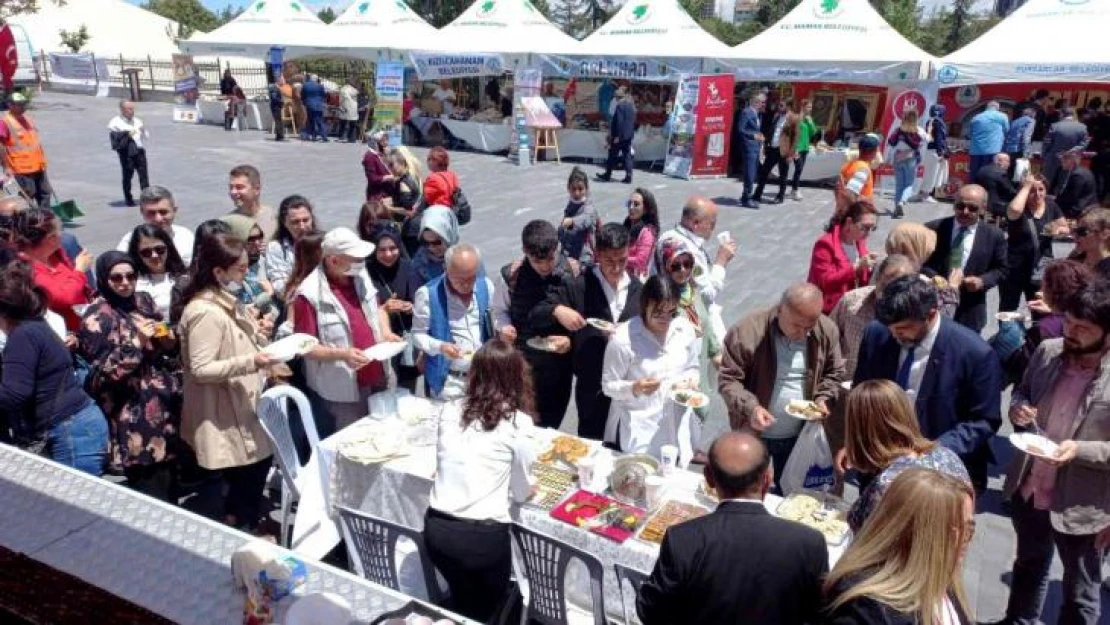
<point>481,136</point>
<point>399,490</point>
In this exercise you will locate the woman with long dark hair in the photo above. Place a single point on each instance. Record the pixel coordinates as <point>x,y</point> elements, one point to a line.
<point>482,457</point>
<point>158,264</point>
<point>41,400</point>
<point>224,374</point>
<point>39,239</point>
<point>841,261</point>
<point>1032,219</point>
<point>643,227</point>
<point>391,274</point>
<point>295,219</point>
<point>135,375</point>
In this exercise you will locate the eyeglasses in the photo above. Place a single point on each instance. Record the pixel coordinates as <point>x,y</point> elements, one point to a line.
<point>117,278</point>
<point>966,207</point>
<point>434,243</point>
<point>682,265</point>
<point>1082,231</point>
<point>151,252</point>
<point>663,313</point>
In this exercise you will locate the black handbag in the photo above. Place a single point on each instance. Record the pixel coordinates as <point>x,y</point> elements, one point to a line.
<point>462,206</point>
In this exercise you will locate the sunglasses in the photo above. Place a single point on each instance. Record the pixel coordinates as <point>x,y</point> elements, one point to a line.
<point>435,243</point>
<point>117,278</point>
<point>966,207</point>
<point>1082,231</point>
<point>257,238</point>
<point>682,265</point>
<point>151,252</point>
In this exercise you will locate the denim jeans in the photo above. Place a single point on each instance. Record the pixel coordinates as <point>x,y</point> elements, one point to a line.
<point>904,173</point>
<point>80,441</point>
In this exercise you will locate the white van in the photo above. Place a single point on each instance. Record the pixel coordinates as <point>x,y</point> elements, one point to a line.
<point>25,74</point>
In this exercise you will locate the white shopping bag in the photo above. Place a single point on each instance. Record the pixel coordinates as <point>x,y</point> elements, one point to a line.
<point>1021,167</point>
<point>811,463</point>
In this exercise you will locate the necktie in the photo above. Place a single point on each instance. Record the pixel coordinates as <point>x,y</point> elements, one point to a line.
<point>903,378</point>
<point>956,256</point>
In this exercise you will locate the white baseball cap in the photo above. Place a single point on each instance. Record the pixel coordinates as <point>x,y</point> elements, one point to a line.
<point>343,241</point>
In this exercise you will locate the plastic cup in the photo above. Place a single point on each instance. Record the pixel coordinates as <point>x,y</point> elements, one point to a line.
<point>668,459</point>
<point>586,473</point>
<point>654,487</point>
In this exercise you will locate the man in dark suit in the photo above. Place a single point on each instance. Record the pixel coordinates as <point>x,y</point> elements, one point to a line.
<point>1064,135</point>
<point>751,141</point>
<point>622,128</point>
<point>605,291</point>
<point>950,373</point>
<point>738,564</point>
<point>969,253</point>
<point>995,178</point>
<point>313,95</point>
<point>1077,188</point>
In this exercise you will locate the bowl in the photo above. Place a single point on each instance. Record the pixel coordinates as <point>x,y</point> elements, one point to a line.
<point>627,481</point>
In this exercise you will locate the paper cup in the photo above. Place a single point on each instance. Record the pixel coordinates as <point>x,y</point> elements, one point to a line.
<point>654,488</point>
<point>668,458</point>
<point>586,473</point>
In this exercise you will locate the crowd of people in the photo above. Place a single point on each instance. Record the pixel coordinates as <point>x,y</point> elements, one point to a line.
<point>149,362</point>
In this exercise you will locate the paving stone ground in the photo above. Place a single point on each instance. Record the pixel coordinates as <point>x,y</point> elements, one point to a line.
<point>193,162</point>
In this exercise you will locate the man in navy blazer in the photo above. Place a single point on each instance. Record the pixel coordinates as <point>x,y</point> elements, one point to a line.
<point>622,129</point>
<point>949,372</point>
<point>751,141</point>
<point>314,96</point>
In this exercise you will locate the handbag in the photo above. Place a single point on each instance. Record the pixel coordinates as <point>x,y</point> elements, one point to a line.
<point>1040,260</point>
<point>461,205</point>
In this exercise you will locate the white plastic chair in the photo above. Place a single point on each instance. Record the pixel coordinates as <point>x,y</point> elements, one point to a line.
<point>372,546</point>
<point>635,579</point>
<point>546,560</point>
<point>273,412</point>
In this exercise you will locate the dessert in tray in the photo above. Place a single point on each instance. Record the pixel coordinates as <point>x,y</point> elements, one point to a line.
<point>567,449</point>
<point>824,513</point>
<point>672,513</point>
<point>600,515</point>
<point>552,484</point>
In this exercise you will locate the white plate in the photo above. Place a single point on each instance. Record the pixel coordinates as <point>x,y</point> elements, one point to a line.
<point>601,324</point>
<point>292,346</point>
<point>540,343</point>
<point>1034,444</point>
<point>846,385</point>
<point>384,351</point>
<point>699,399</point>
<point>798,415</point>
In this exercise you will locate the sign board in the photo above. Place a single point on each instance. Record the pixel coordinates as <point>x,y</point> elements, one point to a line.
<point>79,72</point>
<point>185,89</point>
<point>389,86</point>
<point>700,127</point>
<point>447,66</point>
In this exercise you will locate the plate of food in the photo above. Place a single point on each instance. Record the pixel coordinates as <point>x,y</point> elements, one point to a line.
<point>690,398</point>
<point>672,513</point>
<point>940,282</point>
<point>805,410</point>
<point>824,513</point>
<point>542,343</point>
<point>373,445</point>
<point>1010,316</point>
<point>600,515</point>
<point>385,351</point>
<point>601,324</point>
<point>1035,444</point>
<point>291,346</point>
<point>706,493</point>
<point>552,484</point>
<point>566,449</point>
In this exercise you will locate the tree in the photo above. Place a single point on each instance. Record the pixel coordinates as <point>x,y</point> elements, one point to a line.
<point>74,40</point>
<point>190,15</point>
<point>229,13</point>
<point>327,15</point>
<point>9,8</point>
<point>439,13</point>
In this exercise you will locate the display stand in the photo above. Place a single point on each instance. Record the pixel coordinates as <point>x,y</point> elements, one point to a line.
<point>547,139</point>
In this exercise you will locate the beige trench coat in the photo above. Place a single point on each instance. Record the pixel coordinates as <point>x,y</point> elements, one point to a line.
<point>219,418</point>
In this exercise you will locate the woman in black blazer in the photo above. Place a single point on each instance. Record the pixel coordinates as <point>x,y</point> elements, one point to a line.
<point>904,566</point>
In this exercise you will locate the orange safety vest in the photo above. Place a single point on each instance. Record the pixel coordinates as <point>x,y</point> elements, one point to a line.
<point>849,171</point>
<point>23,153</point>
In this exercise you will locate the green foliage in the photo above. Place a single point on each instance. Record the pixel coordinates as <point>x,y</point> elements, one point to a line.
<point>327,15</point>
<point>944,31</point>
<point>75,40</point>
<point>439,13</point>
<point>579,18</point>
<point>8,8</point>
<point>229,13</point>
<point>190,15</point>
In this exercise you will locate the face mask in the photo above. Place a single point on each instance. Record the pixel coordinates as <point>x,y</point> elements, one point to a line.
<point>233,287</point>
<point>354,270</point>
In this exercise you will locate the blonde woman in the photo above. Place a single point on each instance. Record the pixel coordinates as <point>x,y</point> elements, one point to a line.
<point>917,242</point>
<point>906,143</point>
<point>882,439</point>
<point>904,567</point>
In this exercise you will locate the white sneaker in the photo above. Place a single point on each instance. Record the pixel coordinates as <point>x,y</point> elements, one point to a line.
<point>930,199</point>
<point>796,196</point>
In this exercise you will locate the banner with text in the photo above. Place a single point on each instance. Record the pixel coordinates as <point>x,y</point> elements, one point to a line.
<point>700,127</point>
<point>447,66</point>
<point>918,97</point>
<point>185,89</point>
<point>82,71</point>
<point>389,86</point>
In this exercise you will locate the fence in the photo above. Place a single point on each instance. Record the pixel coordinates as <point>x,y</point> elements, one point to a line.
<point>157,75</point>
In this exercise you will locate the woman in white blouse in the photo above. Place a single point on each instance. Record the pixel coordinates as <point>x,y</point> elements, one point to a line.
<point>646,359</point>
<point>483,455</point>
<point>159,264</point>
<point>295,219</point>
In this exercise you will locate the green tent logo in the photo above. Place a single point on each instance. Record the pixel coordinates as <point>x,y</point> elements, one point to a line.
<point>828,9</point>
<point>487,8</point>
<point>401,6</point>
<point>364,7</point>
<point>294,6</point>
<point>528,5</point>
<point>639,14</point>
<point>258,7</point>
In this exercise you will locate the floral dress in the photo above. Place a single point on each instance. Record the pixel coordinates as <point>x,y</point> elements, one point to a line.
<point>139,390</point>
<point>938,459</point>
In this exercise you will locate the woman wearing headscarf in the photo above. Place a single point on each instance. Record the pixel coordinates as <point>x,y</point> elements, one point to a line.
<point>379,176</point>
<point>391,274</point>
<point>917,242</point>
<point>135,376</point>
<point>439,230</point>
<point>250,233</point>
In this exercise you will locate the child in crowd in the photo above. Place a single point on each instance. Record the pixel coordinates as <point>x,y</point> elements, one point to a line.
<point>576,230</point>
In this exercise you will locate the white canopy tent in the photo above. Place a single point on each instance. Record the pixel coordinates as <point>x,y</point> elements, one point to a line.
<point>1043,41</point>
<point>650,29</point>
<point>368,27</point>
<point>511,27</point>
<point>266,23</point>
<point>831,40</point>
<point>115,27</point>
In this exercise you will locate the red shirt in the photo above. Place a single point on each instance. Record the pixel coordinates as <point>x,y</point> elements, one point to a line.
<point>65,287</point>
<point>362,337</point>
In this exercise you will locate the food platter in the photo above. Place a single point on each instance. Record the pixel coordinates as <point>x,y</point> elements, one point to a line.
<point>552,484</point>
<point>600,515</point>
<point>805,410</point>
<point>566,449</point>
<point>824,513</point>
<point>372,445</point>
<point>291,346</point>
<point>690,398</point>
<point>672,513</point>
<point>1035,445</point>
<point>627,479</point>
<point>602,324</point>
